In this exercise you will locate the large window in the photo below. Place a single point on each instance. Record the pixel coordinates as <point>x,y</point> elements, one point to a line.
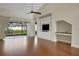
<point>16,28</point>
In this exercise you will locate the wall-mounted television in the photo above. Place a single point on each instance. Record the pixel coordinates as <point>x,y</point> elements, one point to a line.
<point>45,27</point>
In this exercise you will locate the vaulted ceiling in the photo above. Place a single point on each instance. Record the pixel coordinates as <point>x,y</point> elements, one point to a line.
<point>19,9</point>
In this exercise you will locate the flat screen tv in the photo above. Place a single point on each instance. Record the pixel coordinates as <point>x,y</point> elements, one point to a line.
<point>45,27</point>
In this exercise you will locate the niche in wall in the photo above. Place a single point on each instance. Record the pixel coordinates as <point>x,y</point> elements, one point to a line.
<point>45,23</point>
<point>63,31</point>
<point>45,26</point>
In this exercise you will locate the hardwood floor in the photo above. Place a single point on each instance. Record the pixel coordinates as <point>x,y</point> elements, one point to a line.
<point>29,46</point>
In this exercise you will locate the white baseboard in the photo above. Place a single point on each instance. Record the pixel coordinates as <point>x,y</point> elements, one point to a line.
<point>54,40</point>
<point>76,46</point>
<point>48,39</point>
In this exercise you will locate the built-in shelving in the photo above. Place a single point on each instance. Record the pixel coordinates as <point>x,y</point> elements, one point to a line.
<point>64,34</point>
<point>63,31</point>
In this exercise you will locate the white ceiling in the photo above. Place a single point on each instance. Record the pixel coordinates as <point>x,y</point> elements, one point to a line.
<point>18,9</point>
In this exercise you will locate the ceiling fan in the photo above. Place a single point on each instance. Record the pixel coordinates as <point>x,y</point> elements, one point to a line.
<point>33,12</point>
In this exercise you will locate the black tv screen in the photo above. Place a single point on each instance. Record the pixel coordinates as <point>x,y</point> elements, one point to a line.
<point>45,27</point>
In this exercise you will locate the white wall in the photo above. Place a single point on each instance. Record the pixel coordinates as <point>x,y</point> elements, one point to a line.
<point>3,26</point>
<point>41,33</point>
<point>59,12</point>
<point>49,35</point>
<point>75,31</point>
<point>67,12</point>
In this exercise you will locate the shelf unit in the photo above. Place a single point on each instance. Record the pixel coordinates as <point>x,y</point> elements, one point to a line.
<point>63,31</point>
<point>63,34</point>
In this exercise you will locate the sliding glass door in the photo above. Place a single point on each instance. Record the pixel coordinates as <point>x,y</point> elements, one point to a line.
<point>16,28</point>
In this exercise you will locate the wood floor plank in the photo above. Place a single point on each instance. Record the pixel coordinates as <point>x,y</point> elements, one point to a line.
<point>29,46</point>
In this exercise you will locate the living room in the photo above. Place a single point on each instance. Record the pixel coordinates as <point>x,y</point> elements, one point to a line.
<point>55,33</point>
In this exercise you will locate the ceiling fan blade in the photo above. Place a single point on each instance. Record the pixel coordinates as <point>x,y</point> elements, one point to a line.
<point>33,12</point>
<point>37,13</point>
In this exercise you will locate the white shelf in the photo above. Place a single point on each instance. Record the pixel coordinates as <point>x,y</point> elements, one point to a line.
<point>63,34</point>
